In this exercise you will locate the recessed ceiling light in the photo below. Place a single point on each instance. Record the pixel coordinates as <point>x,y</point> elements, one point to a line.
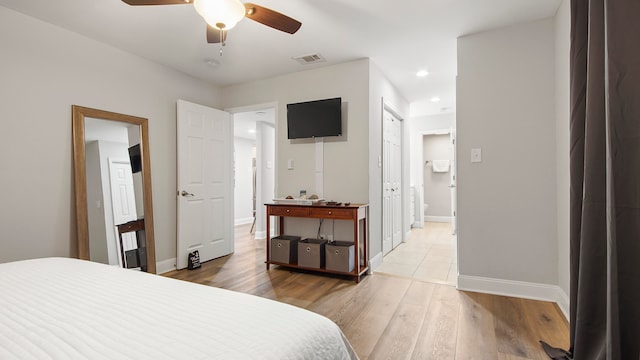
<point>435,99</point>
<point>422,73</point>
<point>261,113</point>
<point>252,131</point>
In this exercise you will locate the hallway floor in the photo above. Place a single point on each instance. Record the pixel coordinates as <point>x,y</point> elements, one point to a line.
<point>428,255</point>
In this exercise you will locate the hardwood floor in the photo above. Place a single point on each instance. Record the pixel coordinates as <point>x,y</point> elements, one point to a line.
<point>391,317</point>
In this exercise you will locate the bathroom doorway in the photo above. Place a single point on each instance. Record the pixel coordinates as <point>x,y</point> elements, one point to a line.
<point>439,177</point>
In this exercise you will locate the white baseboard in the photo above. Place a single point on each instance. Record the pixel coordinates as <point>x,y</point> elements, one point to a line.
<point>438,218</point>
<point>243,221</point>
<point>260,235</point>
<point>374,263</point>
<point>563,302</point>
<point>165,266</point>
<point>520,289</point>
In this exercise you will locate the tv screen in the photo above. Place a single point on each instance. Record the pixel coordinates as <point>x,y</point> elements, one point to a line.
<point>317,118</point>
<point>135,158</point>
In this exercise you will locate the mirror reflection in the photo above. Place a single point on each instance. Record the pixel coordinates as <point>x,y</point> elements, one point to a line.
<point>113,189</point>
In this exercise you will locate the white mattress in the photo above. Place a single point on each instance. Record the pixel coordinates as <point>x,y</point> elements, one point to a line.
<point>59,308</point>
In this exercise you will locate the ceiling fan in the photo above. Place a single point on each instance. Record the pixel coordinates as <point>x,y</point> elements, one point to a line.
<point>222,15</point>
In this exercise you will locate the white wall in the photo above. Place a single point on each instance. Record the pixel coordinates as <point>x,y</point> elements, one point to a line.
<point>345,165</point>
<point>350,164</point>
<point>562,47</point>
<point>243,191</point>
<point>96,214</point>
<point>265,159</point>
<point>46,69</point>
<point>507,203</point>
<point>347,153</point>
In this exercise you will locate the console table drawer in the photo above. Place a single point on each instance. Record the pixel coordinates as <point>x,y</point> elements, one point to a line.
<point>331,213</point>
<point>288,211</point>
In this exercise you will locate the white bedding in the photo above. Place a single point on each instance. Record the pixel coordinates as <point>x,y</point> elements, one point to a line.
<point>59,308</point>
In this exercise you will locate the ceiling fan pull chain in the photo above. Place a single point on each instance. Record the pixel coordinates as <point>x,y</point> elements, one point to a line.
<point>222,40</point>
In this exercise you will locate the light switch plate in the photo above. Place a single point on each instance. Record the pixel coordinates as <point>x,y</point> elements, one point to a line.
<point>290,164</point>
<point>476,155</point>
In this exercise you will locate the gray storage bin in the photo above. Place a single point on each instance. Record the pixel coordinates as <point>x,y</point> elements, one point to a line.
<point>311,253</point>
<point>284,249</point>
<point>340,256</point>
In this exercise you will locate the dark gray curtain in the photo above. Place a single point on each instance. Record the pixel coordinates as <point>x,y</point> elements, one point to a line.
<point>605,181</point>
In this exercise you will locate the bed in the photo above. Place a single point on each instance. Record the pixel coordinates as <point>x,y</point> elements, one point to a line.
<point>61,308</point>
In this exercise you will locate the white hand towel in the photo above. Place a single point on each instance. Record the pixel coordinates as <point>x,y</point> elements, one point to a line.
<point>440,166</point>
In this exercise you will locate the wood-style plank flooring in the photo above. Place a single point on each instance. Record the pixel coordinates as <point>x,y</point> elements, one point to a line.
<point>391,317</point>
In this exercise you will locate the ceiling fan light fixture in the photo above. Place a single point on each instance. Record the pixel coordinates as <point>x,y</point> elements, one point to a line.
<point>221,14</point>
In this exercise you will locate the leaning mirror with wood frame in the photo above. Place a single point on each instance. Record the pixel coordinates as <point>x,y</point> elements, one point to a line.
<point>112,173</point>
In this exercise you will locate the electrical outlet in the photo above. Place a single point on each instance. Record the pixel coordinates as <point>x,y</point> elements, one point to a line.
<point>322,237</point>
<point>476,155</point>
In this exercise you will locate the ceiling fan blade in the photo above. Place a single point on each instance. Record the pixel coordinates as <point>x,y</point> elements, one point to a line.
<point>272,18</point>
<point>156,2</point>
<point>213,35</point>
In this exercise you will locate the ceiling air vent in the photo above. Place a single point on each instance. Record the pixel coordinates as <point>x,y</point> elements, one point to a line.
<point>309,59</point>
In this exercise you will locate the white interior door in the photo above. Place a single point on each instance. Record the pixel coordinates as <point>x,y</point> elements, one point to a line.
<point>453,186</point>
<point>396,183</point>
<point>391,182</point>
<point>387,211</point>
<point>124,207</point>
<point>205,184</point>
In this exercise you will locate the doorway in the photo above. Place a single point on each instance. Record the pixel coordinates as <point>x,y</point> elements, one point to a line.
<point>429,252</point>
<point>254,166</point>
<point>439,177</point>
<point>123,203</point>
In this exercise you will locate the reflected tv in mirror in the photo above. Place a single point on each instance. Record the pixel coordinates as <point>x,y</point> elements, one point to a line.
<point>135,158</point>
<point>317,118</point>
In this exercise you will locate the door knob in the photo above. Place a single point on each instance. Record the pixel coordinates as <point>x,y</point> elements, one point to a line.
<point>186,194</point>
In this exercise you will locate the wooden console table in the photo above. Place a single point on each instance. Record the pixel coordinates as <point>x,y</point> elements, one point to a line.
<point>136,226</point>
<point>355,212</point>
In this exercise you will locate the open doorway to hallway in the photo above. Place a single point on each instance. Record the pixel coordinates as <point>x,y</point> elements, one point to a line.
<point>430,250</point>
<point>254,166</point>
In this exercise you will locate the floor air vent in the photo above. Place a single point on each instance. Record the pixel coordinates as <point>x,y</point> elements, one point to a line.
<point>309,59</point>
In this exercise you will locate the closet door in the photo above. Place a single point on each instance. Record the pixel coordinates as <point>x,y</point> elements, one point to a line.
<point>391,182</point>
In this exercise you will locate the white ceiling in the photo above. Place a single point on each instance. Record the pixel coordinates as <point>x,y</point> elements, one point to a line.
<point>401,37</point>
<point>244,123</point>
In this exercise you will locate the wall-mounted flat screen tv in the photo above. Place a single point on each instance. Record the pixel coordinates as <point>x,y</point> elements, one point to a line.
<point>135,158</point>
<point>317,118</point>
